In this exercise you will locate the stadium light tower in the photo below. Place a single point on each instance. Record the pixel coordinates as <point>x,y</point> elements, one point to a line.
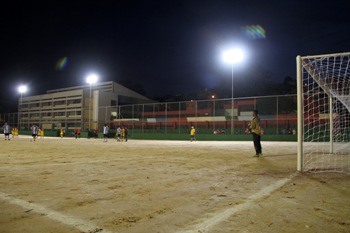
<point>21,89</point>
<point>233,56</point>
<point>91,79</point>
<point>213,98</point>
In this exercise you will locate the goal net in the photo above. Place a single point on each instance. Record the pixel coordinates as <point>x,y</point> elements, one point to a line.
<point>324,113</point>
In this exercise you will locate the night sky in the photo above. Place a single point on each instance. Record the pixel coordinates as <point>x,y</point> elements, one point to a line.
<point>167,47</point>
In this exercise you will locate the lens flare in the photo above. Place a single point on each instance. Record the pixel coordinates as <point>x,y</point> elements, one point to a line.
<point>254,32</point>
<point>61,63</point>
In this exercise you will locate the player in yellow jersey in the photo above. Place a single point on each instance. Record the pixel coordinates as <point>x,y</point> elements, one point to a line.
<point>39,133</point>
<point>122,133</point>
<point>256,131</point>
<point>193,134</point>
<point>61,133</point>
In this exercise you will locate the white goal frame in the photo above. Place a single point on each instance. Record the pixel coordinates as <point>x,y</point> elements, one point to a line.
<point>320,78</point>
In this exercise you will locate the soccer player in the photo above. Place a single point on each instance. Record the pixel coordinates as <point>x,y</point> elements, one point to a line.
<point>122,134</point>
<point>39,133</point>
<point>13,132</point>
<point>7,130</point>
<point>42,133</point>
<point>16,132</point>
<point>105,133</point>
<point>256,132</point>
<point>193,134</point>
<point>61,132</point>
<point>126,131</point>
<point>34,129</point>
<point>118,133</point>
<point>77,133</point>
<point>95,133</point>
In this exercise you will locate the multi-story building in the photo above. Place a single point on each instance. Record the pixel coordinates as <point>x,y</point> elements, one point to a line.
<point>81,107</point>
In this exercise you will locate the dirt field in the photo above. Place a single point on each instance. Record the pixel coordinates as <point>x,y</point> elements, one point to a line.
<point>86,185</point>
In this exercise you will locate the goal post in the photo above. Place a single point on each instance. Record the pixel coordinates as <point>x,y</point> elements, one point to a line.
<point>323,87</point>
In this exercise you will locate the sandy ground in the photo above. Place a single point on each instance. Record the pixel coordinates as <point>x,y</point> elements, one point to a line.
<point>86,185</point>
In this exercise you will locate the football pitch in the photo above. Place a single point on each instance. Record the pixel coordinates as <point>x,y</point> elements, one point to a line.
<point>86,185</point>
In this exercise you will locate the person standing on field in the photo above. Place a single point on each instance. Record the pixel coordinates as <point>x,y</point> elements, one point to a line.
<point>77,133</point>
<point>256,132</point>
<point>95,133</point>
<point>105,133</point>
<point>126,131</point>
<point>34,129</point>
<point>122,134</point>
<point>7,131</point>
<point>42,133</point>
<point>39,133</point>
<point>61,133</point>
<point>15,132</point>
<point>118,133</point>
<point>193,134</point>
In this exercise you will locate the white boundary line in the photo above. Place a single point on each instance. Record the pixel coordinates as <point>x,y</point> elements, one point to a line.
<point>81,225</point>
<point>205,224</point>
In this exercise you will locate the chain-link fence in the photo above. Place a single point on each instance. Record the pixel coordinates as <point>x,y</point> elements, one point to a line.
<point>278,116</point>
<point>10,118</point>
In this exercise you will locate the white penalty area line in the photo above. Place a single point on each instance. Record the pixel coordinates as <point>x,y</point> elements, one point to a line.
<point>79,224</point>
<point>206,224</point>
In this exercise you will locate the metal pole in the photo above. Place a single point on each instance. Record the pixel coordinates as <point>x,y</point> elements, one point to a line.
<point>154,116</point>
<point>90,109</point>
<point>143,114</point>
<point>232,127</point>
<point>277,115</point>
<point>166,117</point>
<point>214,114</point>
<point>106,115</point>
<point>196,113</point>
<point>300,156</point>
<point>19,115</point>
<point>178,126</point>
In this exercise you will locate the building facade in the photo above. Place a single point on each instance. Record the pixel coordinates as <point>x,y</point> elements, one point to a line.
<point>80,107</point>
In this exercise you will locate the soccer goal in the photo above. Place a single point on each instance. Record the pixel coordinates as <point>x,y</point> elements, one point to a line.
<point>324,113</point>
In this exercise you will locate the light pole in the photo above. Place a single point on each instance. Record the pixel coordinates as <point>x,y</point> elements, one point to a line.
<point>232,56</point>
<point>213,98</point>
<point>21,89</point>
<point>92,78</point>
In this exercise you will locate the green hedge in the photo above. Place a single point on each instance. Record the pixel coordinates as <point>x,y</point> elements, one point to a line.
<point>211,137</point>
<point>177,136</point>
